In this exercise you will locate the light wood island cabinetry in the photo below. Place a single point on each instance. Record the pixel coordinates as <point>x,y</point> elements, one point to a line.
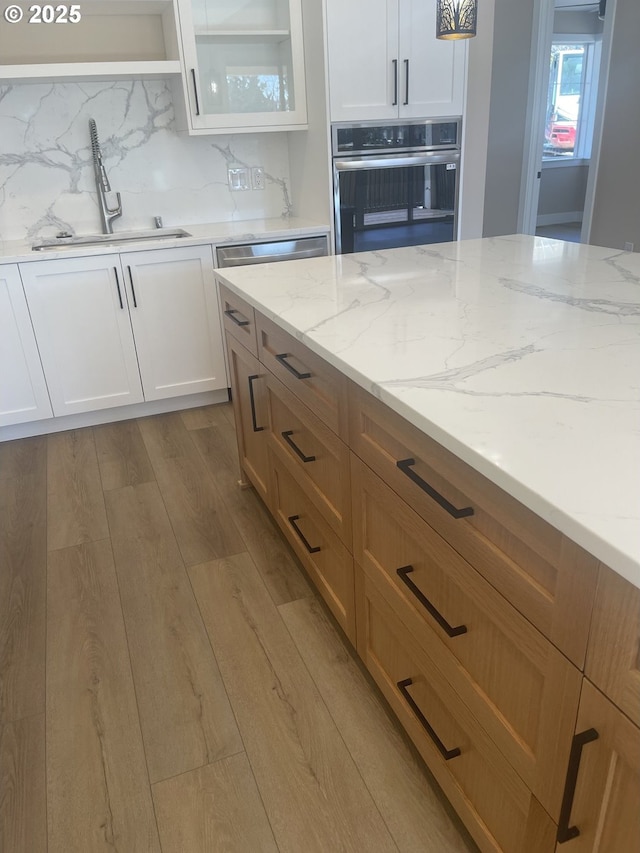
<point>496,640</point>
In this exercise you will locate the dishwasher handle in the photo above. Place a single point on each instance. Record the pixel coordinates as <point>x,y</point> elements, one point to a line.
<point>269,259</point>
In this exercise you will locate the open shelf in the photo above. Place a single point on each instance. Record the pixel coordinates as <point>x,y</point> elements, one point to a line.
<point>60,71</point>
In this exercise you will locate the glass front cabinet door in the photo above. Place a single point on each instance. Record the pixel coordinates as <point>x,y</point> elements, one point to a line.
<point>243,65</point>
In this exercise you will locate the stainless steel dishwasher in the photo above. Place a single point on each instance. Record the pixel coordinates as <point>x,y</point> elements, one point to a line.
<point>277,250</point>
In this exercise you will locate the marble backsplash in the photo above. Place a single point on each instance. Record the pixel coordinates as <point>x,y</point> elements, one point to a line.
<point>47,180</point>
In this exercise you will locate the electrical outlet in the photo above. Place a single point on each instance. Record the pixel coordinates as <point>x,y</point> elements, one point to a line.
<point>257,178</point>
<point>238,177</point>
<point>628,247</point>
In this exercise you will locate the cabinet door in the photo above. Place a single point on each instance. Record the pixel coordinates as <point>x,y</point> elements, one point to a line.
<point>248,393</point>
<point>23,391</point>
<point>243,64</point>
<point>604,814</point>
<point>81,319</point>
<point>176,321</point>
<point>432,71</point>
<point>364,68</point>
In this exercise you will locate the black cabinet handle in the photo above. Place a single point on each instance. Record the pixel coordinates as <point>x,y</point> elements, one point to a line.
<point>287,437</point>
<point>394,102</point>
<point>406,82</point>
<point>566,832</point>
<point>422,598</point>
<point>115,270</point>
<point>231,312</point>
<point>405,466</point>
<point>195,90</point>
<point>133,292</point>
<point>447,754</point>
<point>282,358</point>
<point>292,521</point>
<point>252,400</point>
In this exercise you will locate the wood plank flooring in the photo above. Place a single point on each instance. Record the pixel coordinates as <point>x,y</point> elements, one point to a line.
<point>168,679</point>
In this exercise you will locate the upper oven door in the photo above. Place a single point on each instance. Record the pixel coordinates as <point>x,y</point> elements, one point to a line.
<point>395,200</point>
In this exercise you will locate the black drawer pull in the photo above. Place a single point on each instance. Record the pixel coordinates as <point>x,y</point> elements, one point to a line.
<point>231,312</point>
<point>394,102</point>
<point>252,400</point>
<point>133,292</point>
<point>287,437</point>
<point>195,91</point>
<point>118,286</point>
<point>566,832</point>
<point>447,754</point>
<point>405,466</point>
<point>292,521</point>
<point>282,358</point>
<point>422,598</point>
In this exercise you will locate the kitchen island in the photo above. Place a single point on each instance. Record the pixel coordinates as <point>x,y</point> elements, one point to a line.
<point>464,421</point>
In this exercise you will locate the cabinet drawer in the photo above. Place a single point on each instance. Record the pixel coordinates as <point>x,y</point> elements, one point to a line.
<point>314,455</point>
<point>490,797</point>
<point>322,553</point>
<point>613,656</point>
<point>543,574</point>
<point>308,376</point>
<point>521,689</point>
<point>239,319</point>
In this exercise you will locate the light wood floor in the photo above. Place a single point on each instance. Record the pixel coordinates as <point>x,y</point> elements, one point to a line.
<point>168,680</point>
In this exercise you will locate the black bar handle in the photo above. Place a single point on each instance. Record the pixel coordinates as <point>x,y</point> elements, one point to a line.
<point>282,358</point>
<point>394,102</point>
<point>566,832</point>
<point>195,90</point>
<point>133,292</point>
<point>252,400</point>
<point>292,521</point>
<point>115,270</point>
<point>231,312</point>
<point>424,601</point>
<point>287,437</point>
<point>405,466</point>
<point>447,754</point>
<point>406,82</point>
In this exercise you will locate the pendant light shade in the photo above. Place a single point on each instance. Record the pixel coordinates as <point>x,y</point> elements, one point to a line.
<point>456,19</point>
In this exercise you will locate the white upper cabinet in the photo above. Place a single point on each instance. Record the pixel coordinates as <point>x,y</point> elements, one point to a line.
<point>385,62</point>
<point>243,65</point>
<point>23,391</point>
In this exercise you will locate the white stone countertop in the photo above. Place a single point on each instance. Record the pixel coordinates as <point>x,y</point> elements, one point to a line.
<point>519,354</point>
<point>218,233</point>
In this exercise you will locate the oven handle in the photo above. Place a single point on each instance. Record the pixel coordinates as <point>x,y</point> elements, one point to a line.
<point>393,160</point>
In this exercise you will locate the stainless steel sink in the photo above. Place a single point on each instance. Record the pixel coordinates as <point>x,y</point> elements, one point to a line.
<point>69,242</point>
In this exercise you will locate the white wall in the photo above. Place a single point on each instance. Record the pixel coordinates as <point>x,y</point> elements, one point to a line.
<point>47,182</point>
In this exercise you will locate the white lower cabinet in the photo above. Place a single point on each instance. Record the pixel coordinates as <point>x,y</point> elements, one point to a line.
<point>23,391</point>
<point>103,322</point>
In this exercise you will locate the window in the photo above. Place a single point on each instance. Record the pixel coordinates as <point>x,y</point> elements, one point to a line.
<point>573,84</point>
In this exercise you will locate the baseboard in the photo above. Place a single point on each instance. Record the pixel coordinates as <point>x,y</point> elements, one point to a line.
<point>559,218</point>
<point>107,416</point>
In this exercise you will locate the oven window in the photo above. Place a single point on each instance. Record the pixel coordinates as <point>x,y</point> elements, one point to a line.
<point>399,206</point>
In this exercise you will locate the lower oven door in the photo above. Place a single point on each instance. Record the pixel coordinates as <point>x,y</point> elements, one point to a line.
<point>385,202</point>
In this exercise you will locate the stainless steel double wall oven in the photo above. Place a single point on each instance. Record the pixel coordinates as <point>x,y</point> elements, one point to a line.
<point>395,184</point>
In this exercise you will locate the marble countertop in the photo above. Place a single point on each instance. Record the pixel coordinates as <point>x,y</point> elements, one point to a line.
<point>219,233</point>
<point>519,354</point>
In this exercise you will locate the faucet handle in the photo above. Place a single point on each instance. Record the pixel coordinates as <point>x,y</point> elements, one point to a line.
<point>117,210</point>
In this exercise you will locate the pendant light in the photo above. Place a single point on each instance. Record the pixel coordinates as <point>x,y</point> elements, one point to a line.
<point>456,19</point>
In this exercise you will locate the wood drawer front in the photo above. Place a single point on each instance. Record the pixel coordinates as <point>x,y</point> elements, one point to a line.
<point>490,797</point>
<point>520,688</point>
<point>309,377</point>
<point>543,574</point>
<point>606,803</point>
<point>239,319</point>
<point>249,392</point>
<point>314,455</point>
<point>613,656</point>
<point>331,565</point>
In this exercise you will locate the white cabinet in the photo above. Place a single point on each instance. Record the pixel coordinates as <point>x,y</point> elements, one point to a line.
<point>385,62</point>
<point>114,330</point>
<point>243,65</point>
<point>23,391</point>
<point>81,320</point>
<point>176,321</point>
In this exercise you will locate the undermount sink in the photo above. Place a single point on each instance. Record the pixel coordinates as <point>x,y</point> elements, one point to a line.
<point>69,241</point>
